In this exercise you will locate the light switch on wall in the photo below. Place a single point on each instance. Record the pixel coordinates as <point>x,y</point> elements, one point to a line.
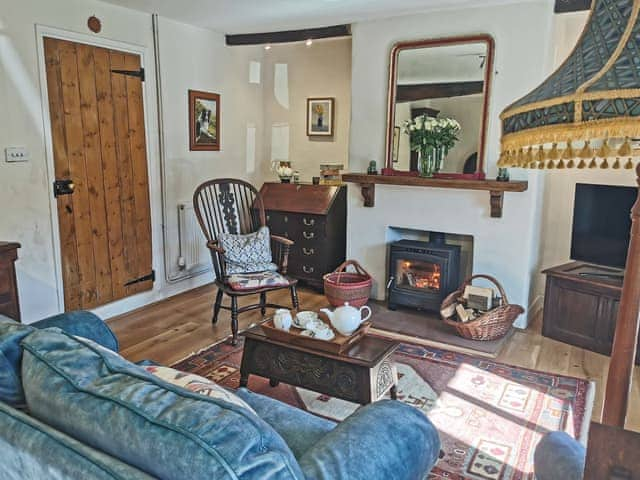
<point>16,154</point>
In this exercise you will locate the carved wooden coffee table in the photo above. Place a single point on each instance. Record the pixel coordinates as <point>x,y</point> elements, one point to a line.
<point>362,374</point>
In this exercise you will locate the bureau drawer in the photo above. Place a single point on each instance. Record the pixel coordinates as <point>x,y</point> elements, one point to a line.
<point>307,270</point>
<point>297,227</point>
<point>307,251</point>
<point>277,223</point>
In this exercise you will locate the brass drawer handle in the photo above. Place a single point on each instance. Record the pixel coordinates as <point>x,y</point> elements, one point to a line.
<point>308,235</point>
<point>307,269</point>
<point>308,251</point>
<point>309,223</point>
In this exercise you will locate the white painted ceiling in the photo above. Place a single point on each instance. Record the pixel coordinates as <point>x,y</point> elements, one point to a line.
<point>255,16</point>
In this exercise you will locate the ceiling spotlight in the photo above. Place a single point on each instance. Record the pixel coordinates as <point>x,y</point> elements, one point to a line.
<point>267,47</point>
<point>309,42</point>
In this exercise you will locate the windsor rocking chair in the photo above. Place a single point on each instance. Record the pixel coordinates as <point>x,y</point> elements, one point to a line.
<point>235,206</point>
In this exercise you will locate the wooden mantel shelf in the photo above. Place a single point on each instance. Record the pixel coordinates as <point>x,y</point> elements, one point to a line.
<point>496,189</point>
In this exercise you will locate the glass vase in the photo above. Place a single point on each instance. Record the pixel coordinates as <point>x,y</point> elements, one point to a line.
<point>430,161</point>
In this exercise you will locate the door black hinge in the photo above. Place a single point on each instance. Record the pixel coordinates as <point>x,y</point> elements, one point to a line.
<point>132,73</point>
<point>151,276</point>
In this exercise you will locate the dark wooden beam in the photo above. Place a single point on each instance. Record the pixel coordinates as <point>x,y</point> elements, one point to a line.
<point>289,35</point>
<point>423,91</point>
<point>565,6</point>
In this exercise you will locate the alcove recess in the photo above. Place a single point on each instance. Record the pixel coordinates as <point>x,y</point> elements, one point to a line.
<point>496,189</point>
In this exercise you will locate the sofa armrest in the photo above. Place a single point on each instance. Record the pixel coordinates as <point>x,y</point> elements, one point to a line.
<point>83,324</point>
<point>386,439</point>
<point>558,456</point>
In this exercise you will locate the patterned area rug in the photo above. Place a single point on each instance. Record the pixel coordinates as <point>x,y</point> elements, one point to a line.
<point>490,415</point>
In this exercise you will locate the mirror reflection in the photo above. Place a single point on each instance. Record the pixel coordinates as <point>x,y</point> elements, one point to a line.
<point>439,103</point>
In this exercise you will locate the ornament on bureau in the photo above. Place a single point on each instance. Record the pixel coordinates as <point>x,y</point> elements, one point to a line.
<point>283,169</point>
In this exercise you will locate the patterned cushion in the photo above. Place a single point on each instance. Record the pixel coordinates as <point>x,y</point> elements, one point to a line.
<point>251,281</point>
<point>196,384</point>
<point>248,253</point>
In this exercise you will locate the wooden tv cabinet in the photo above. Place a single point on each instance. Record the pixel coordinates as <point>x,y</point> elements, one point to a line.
<point>579,309</point>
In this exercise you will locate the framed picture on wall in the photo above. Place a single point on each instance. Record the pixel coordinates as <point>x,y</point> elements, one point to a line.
<point>320,116</point>
<point>396,144</point>
<point>204,120</point>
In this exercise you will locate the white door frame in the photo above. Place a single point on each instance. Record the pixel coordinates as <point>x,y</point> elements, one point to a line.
<point>43,31</point>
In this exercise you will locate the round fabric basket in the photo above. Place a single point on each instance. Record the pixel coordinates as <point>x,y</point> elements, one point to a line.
<point>491,325</point>
<point>341,286</point>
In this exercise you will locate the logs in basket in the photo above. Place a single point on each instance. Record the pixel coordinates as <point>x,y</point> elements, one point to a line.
<point>492,324</point>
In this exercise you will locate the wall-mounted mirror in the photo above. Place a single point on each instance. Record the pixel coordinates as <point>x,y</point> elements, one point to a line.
<point>434,81</point>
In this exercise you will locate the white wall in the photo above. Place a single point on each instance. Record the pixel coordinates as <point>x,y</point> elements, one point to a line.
<point>197,59</point>
<point>506,247</point>
<point>555,244</point>
<point>192,58</point>
<point>322,69</point>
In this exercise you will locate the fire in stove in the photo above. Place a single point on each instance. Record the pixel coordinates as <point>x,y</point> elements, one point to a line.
<point>421,275</point>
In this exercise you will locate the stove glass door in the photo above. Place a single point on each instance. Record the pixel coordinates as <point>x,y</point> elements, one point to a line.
<point>419,275</point>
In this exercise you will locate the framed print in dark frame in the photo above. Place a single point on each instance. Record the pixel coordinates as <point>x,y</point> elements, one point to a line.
<point>320,116</point>
<point>204,121</point>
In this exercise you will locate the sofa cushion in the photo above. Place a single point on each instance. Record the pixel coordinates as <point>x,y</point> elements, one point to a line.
<point>83,324</point>
<point>196,384</point>
<point>248,253</point>
<point>11,333</point>
<point>301,430</point>
<point>97,397</point>
<point>30,449</point>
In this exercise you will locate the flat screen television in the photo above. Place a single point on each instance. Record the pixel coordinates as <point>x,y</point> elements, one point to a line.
<point>601,224</point>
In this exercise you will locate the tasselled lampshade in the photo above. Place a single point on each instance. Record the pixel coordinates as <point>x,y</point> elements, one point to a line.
<point>587,113</point>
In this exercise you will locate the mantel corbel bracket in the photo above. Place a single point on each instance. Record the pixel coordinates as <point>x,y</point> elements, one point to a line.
<point>497,202</point>
<point>368,194</point>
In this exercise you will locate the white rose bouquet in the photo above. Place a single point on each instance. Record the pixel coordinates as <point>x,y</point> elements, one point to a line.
<point>429,132</point>
<point>433,138</point>
<point>284,171</point>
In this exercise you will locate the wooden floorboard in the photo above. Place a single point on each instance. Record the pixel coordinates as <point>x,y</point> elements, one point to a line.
<point>172,329</point>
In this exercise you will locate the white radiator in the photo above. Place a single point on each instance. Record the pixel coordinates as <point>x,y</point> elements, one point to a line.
<point>193,249</point>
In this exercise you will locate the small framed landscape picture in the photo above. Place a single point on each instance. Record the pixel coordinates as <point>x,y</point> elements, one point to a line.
<point>320,116</point>
<point>204,120</point>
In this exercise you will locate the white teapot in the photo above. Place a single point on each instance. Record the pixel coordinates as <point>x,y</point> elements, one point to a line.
<point>346,319</point>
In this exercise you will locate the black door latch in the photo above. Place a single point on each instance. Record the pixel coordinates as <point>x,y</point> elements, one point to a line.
<point>63,187</point>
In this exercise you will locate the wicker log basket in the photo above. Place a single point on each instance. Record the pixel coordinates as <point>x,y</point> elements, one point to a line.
<point>341,286</point>
<point>491,325</point>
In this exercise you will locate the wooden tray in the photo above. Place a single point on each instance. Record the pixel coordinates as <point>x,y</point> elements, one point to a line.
<point>337,345</point>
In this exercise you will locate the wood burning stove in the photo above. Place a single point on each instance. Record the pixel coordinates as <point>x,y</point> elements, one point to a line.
<point>421,274</point>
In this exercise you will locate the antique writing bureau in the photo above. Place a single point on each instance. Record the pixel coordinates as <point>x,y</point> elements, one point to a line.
<point>315,218</point>
<point>9,305</point>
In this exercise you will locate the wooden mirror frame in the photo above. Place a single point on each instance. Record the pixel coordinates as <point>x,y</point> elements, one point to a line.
<point>391,101</point>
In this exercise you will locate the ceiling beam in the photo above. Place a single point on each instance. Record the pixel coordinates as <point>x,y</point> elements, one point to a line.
<point>424,91</point>
<point>566,6</point>
<point>289,35</point>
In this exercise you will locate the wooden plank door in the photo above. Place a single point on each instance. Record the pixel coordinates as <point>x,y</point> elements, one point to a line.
<point>99,147</point>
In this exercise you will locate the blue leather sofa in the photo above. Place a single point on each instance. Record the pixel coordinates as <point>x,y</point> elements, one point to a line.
<point>71,407</point>
<point>559,456</point>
